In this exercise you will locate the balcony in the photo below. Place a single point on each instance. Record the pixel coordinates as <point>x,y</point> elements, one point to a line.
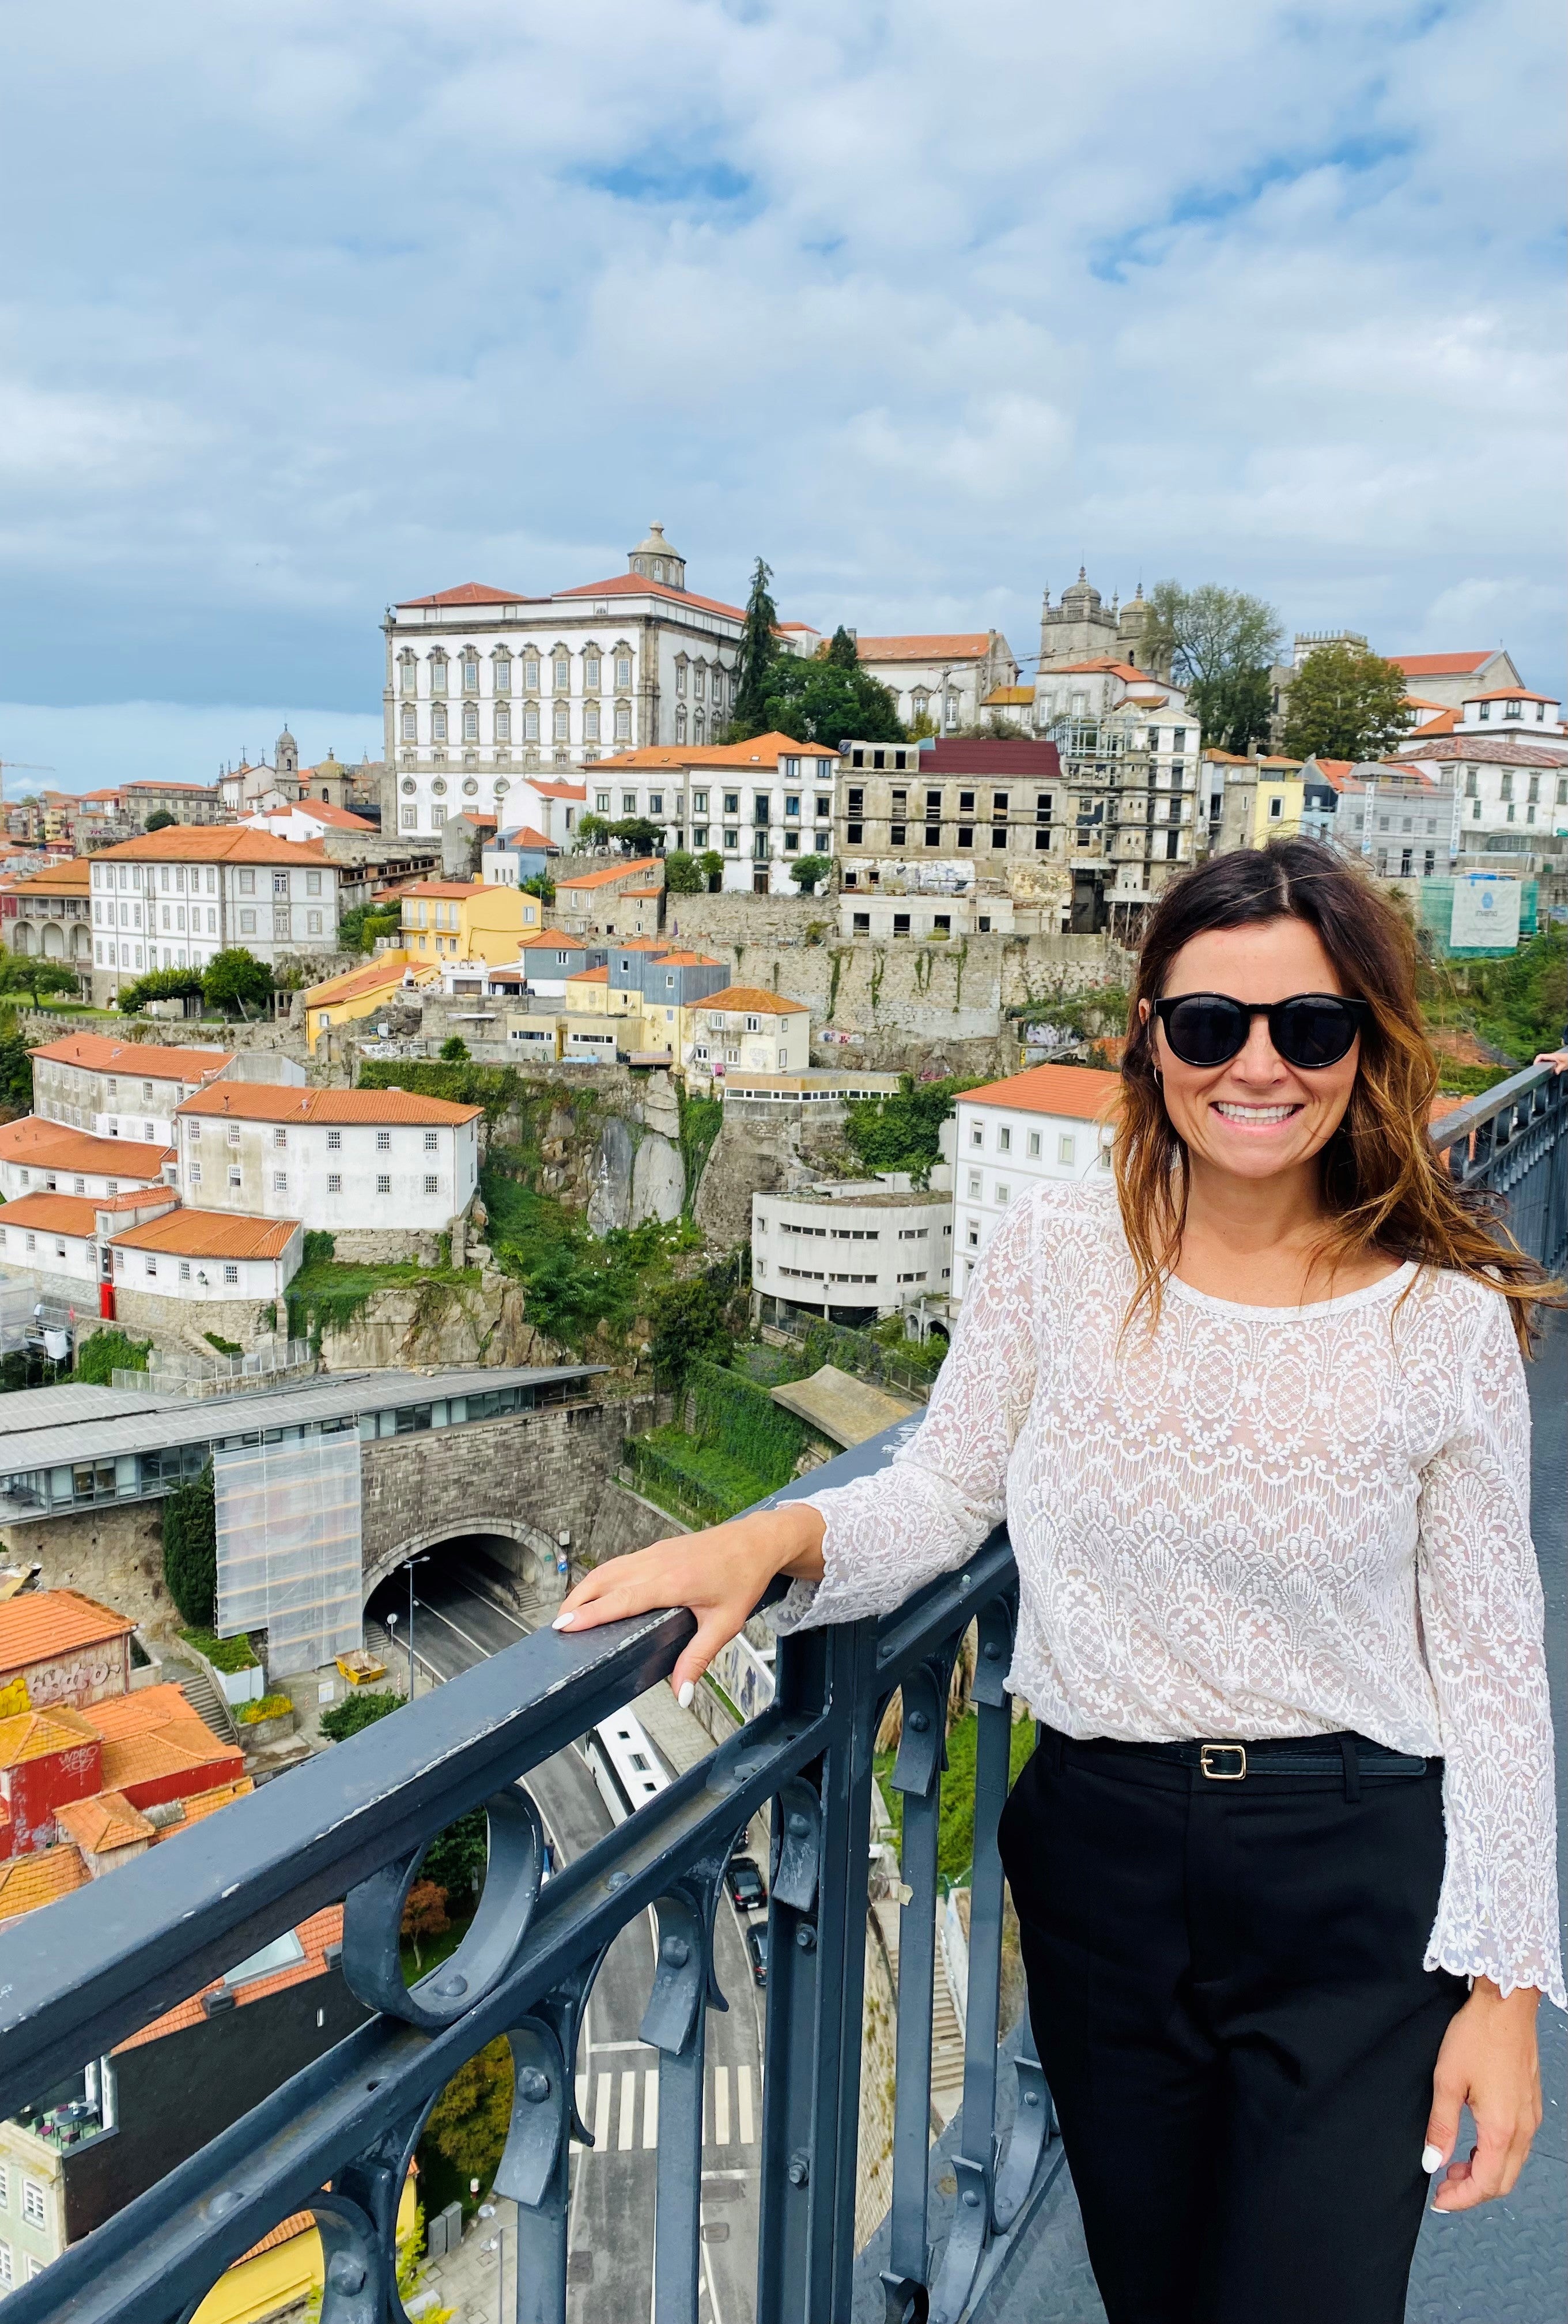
<point>982,2223</point>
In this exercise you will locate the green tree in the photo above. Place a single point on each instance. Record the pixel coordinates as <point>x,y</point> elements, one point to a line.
<point>593,831</point>
<point>191,1549</point>
<point>682,875</point>
<point>1345,703</point>
<point>358,930</point>
<point>1220,643</point>
<point>809,871</point>
<point>361,1709</point>
<point>457,1858</point>
<point>902,1132</point>
<point>711,864</point>
<point>159,820</point>
<point>690,1319</point>
<point>160,984</point>
<point>759,649</point>
<point>469,2121</point>
<point>637,835</point>
<point>237,980</point>
<point>821,701</point>
<point>105,1354</point>
<point>843,653</point>
<point>454,1050</point>
<point>27,973</point>
<point>540,884</point>
<point>15,1064</point>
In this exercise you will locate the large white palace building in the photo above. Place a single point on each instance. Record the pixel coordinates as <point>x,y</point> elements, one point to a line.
<point>484,685</point>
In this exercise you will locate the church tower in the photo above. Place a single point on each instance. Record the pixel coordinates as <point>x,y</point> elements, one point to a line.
<point>286,756</point>
<point>1077,630</point>
<point>656,560</point>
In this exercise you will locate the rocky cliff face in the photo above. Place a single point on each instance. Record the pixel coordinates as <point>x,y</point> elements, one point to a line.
<point>438,1323</point>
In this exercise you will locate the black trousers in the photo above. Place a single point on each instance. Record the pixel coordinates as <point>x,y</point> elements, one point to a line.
<point>1226,1988</point>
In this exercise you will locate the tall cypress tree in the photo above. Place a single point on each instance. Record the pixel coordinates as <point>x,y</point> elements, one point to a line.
<point>757,652</point>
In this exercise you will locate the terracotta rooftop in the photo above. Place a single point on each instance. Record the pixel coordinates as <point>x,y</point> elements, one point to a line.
<point>758,751</point>
<point>750,1000</point>
<point>28,1881</point>
<point>322,811</point>
<point>1509,694</point>
<point>687,960</point>
<point>556,791</point>
<point>1104,665</point>
<point>42,1623</point>
<point>590,976</point>
<point>199,1804</point>
<point>608,875</point>
<point>147,1061</point>
<point>1077,1093</point>
<point>214,842</point>
<point>274,1101</point>
<point>524,834</point>
<point>209,1234</point>
<point>50,1146</point>
<point>459,888</point>
<point>387,970</point>
<point>1443,665</point>
<point>73,879</point>
<point>322,1929</point>
<point>948,645</point>
<point>120,1715</point>
<point>105,1823</point>
<point>637,585</point>
<point>53,1214</point>
<point>41,1734</point>
<point>472,593</point>
<point>998,756</point>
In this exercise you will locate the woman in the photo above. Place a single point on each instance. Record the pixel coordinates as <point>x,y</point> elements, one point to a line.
<point>1256,1417</point>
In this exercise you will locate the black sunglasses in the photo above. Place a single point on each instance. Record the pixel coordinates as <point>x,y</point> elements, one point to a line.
<point>1309,1030</point>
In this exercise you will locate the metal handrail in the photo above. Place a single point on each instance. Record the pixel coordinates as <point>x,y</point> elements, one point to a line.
<point>1465,1120</point>
<point>354,1822</point>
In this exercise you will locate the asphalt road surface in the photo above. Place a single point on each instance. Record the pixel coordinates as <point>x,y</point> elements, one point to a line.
<point>461,1615</point>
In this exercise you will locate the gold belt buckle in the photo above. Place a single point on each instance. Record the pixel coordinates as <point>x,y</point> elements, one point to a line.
<point>1217,1775</point>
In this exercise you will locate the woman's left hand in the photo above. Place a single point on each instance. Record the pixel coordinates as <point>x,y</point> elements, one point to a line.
<point>1488,2061</point>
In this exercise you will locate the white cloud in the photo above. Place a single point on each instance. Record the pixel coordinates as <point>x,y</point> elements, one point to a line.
<point>92,744</point>
<point>334,306</point>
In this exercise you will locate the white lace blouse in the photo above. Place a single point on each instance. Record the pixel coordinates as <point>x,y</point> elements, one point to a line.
<point>1263,1522</point>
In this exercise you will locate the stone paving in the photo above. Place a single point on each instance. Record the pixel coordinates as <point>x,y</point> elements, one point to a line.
<point>466,2281</point>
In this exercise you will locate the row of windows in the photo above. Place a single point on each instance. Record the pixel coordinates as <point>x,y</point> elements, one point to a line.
<point>931,832</point>
<point>32,2206</point>
<point>1067,1145</point>
<point>503,664</point>
<point>593,726</point>
<point>1511,710</point>
<point>131,876</point>
<point>383,1137</point>
<point>1506,785</point>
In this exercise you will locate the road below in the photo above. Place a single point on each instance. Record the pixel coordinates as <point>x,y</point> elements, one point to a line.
<point>463,1613</point>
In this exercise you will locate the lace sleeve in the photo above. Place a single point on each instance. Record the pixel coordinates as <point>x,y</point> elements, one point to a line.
<point>947,1489</point>
<point>1481,1612</point>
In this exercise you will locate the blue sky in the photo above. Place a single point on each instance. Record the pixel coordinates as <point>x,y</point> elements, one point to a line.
<point>314,306</point>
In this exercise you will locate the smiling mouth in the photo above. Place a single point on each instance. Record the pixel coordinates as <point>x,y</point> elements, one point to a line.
<point>1255,1117</point>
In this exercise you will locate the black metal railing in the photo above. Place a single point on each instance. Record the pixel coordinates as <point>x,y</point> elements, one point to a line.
<point>335,2139</point>
<point>1512,1143</point>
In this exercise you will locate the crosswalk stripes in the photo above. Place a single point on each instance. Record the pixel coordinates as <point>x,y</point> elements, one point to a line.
<point>608,2102</point>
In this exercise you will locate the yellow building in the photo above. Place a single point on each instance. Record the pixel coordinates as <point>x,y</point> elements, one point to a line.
<point>465,919</point>
<point>590,993</point>
<point>281,2270</point>
<point>360,992</point>
<point>1281,796</point>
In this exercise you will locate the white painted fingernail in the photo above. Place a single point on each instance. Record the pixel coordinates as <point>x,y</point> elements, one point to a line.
<point>564,1622</point>
<point>687,1695</point>
<point>1431,2156</point>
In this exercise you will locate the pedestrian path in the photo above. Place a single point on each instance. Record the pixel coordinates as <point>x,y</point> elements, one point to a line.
<point>620,2105</point>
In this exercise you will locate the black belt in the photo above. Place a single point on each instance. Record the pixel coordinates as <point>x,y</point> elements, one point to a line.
<point>1348,1756</point>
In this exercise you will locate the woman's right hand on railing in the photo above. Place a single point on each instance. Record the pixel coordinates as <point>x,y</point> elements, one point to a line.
<point>720,1575</point>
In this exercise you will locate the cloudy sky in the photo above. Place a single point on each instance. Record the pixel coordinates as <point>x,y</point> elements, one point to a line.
<point>312,307</point>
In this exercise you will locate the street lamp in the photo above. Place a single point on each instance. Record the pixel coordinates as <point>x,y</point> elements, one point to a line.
<point>411,1562</point>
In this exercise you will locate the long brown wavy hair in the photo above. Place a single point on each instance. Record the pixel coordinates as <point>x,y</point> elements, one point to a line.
<point>1385,1185</point>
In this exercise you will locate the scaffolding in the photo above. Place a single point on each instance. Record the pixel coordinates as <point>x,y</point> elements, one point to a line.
<point>289,1559</point>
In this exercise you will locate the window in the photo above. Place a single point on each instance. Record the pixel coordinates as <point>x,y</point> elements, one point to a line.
<point>231,1273</point>
<point>1276,809</point>
<point>974,1185</point>
<point>410,726</point>
<point>501,681</point>
<point>1003,1191</point>
<point>6,2275</point>
<point>1004,1140</point>
<point>470,674</point>
<point>383,1141</point>
<point>247,923</point>
<point>623,722</point>
<point>1034,1145</point>
<point>335,1182</point>
<point>1067,1149</point>
<point>897,835</point>
<point>335,1141</point>
<point>561,674</point>
<point>431,1138</point>
<point>33,2204</point>
<point>280,1182</point>
<point>384,1185</point>
<point>247,883</point>
<point>432,1184</point>
<point>470,724</point>
<point>437,725</point>
<point>623,670</point>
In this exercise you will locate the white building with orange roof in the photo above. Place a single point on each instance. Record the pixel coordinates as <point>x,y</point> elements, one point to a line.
<point>338,1160</point>
<point>39,1156</point>
<point>485,685</point>
<point>119,1089</point>
<point>742,1027</point>
<point>307,818</point>
<point>1445,680</point>
<point>145,1240</point>
<point>588,904</point>
<point>760,804</point>
<point>941,679</point>
<point>175,898</point>
<point>1041,1127</point>
<point>46,916</point>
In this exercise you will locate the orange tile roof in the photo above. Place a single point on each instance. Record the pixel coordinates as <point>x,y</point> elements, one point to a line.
<point>322,1929</point>
<point>118,1716</point>
<point>759,750</point>
<point>611,872</point>
<point>50,1146</point>
<point>135,1198</point>
<point>42,1623</point>
<point>1443,665</point>
<point>640,943</point>
<point>169,783</point>
<point>105,1823</point>
<point>553,938</point>
<point>752,1002</point>
<point>449,888</point>
<point>689,960</point>
<point>1445,723</point>
<point>28,1881</point>
<point>297,2223</point>
<point>388,970</point>
<point>642,891</point>
<point>964,645</point>
<point>522,834</point>
<point>73,879</point>
<point>210,1234</point>
<point>1226,758</point>
<point>472,593</point>
<point>56,1215</point>
<point>635,585</point>
<point>214,842</point>
<point>274,1102</point>
<point>336,819</point>
<point>1332,767</point>
<point>1510,694</point>
<point>590,976</point>
<point>556,791</point>
<point>41,1734</point>
<point>200,1804</point>
<point>1017,697</point>
<point>1422,702</point>
<point>149,1060</point>
<point>1292,764</point>
<point>1104,665</point>
<point>1076,1092</point>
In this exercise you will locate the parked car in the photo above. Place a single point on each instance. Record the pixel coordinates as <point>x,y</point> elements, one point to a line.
<point>756,1947</point>
<point>748,1891</point>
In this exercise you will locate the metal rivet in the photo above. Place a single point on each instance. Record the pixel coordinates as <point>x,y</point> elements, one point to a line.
<point>347,2273</point>
<point>805,1937</point>
<point>223,2201</point>
<point>676,1951</point>
<point>534,2085</point>
<point>617,1880</point>
<point>1031,2098</point>
<point>970,2198</point>
<point>799,2171</point>
<point>993,1651</point>
<point>919,1721</point>
<point>451,1987</point>
<point>799,1825</point>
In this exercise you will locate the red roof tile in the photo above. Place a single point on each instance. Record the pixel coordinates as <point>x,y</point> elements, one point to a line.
<point>274,1102</point>
<point>750,1000</point>
<point>608,875</point>
<point>1076,1092</point>
<point>214,842</point>
<point>1443,665</point>
<point>210,1234</point>
<point>472,593</point>
<point>636,584</point>
<point>147,1061</point>
<point>44,1623</point>
<point>952,645</point>
<point>53,1214</point>
<point>49,1145</point>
